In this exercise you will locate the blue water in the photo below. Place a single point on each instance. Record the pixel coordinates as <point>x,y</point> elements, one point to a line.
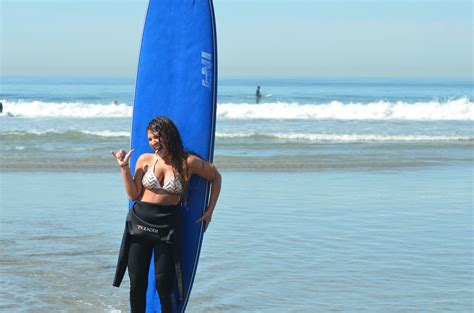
<point>242,89</point>
<point>357,90</point>
<point>73,122</point>
<point>279,242</point>
<point>67,89</point>
<point>339,195</point>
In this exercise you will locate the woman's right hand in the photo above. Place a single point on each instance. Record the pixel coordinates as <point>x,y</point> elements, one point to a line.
<point>122,157</point>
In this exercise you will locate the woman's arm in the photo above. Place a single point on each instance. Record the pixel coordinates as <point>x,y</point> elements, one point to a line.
<point>209,172</point>
<point>133,184</point>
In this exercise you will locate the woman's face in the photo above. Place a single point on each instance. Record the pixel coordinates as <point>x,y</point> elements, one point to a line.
<point>156,144</point>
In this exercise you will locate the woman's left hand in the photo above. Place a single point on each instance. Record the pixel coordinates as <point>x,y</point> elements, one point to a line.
<point>206,218</point>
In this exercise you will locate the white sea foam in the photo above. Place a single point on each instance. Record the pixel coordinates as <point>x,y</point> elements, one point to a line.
<point>37,109</point>
<point>288,137</point>
<point>15,148</point>
<point>108,133</point>
<point>53,132</point>
<point>454,109</point>
<point>295,137</point>
<point>249,137</point>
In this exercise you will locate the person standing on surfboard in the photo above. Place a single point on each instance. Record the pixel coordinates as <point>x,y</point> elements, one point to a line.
<point>258,95</point>
<point>159,184</point>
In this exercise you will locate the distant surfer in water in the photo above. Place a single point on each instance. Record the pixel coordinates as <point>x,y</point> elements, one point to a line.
<point>258,95</point>
<point>1,107</point>
<point>159,184</point>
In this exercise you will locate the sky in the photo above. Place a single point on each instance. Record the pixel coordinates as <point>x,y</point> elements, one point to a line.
<point>330,38</point>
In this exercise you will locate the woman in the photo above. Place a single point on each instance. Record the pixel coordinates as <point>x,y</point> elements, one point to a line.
<point>160,182</point>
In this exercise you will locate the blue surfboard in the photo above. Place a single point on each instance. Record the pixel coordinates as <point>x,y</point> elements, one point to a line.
<point>177,77</point>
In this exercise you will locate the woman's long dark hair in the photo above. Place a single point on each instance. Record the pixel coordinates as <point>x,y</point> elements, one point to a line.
<point>171,140</point>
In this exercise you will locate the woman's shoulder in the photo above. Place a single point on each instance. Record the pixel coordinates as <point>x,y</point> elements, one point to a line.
<point>193,159</point>
<point>145,158</point>
<point>196,163</point>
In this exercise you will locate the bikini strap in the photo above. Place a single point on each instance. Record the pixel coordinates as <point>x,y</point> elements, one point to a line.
<point>154,163</point>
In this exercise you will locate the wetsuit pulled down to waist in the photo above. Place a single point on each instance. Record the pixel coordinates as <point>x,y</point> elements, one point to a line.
<point>149,222</point>
<point>154,213</point>
<point>154,222</point>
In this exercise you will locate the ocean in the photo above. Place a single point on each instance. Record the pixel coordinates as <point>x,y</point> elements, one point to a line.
<point>339,195</point>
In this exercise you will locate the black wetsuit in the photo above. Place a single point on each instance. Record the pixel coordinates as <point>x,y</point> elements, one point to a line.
<point>136,253</point>
<point>258,95</point>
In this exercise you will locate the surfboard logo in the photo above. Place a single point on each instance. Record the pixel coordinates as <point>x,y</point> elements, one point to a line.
<point>206,69</point>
